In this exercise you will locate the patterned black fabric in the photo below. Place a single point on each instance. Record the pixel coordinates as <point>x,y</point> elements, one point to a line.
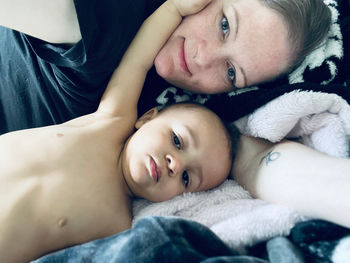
<point>153,240</point>
<point>318,239</point>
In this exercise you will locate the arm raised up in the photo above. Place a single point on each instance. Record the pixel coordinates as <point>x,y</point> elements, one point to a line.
<point>53,21</point>
<point>124,88</point>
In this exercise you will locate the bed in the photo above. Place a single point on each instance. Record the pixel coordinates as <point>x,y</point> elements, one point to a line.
<point>226,224</point>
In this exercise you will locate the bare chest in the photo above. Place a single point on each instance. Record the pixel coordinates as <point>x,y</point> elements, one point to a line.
<point>65,184</point>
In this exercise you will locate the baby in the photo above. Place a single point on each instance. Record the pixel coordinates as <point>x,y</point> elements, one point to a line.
<point>71,183</point>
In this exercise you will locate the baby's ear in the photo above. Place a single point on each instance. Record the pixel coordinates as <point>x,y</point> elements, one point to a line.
<point>150,114</point>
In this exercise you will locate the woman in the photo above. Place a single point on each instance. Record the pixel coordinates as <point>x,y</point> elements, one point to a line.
<point>231,43</point>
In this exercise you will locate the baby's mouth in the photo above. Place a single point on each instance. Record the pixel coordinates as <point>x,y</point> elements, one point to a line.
<point>154,170</point>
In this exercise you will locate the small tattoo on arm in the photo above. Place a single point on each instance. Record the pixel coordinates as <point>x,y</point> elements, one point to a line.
<point>270,157</point>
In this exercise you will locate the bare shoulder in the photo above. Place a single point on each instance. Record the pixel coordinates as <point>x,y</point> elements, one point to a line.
<point>250,152</point>
<point>258,161</point>
<point>258,150</point>
<point>73,136</point>
<point>249,149</point>
<point>104,124</point>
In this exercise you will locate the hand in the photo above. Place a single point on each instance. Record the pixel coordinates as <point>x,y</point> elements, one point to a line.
<point>189,7</point>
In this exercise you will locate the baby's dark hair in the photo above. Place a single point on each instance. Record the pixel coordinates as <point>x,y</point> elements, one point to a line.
<point>231,131</point>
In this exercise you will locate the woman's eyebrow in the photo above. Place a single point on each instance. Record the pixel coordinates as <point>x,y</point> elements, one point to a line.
<point>230,11</point>
<point>237,19</point>
<point>244,76</point>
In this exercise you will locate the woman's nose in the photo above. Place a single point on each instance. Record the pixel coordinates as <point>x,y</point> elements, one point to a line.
<point>174,165</point>
<point>205,54</point>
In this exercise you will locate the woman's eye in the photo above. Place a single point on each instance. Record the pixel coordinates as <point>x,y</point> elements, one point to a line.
<point>225,27</point>
<point>176,141</point>
<point>185,179</point>
<point>231,74</point>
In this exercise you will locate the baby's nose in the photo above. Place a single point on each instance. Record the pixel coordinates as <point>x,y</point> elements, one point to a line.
<point>174,165</point>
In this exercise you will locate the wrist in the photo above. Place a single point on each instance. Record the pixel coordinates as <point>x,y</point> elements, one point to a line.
<point>173,8</point>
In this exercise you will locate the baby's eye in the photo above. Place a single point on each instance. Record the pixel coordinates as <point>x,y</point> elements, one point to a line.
<point>176,141</point>
<point>185,179</point>
<point>225,26</point>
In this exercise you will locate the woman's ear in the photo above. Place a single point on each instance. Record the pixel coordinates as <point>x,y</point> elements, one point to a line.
<point>149,115</point>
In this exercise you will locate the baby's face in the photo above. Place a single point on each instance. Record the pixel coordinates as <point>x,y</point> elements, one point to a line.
<point>178,150</point>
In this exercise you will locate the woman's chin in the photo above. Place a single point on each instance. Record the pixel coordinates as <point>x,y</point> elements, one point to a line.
<point>165,69</point>
<point>164,66</point>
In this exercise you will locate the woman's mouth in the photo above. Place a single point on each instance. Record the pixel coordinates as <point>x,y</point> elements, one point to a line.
<point>154,170</point>
<point>182,58</point>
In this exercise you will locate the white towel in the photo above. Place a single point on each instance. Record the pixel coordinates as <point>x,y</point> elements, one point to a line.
<point>319,120</point>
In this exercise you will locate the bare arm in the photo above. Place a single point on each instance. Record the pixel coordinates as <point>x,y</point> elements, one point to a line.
<point>315,184</point>
<point>54,21</point>
<point>124,88</point>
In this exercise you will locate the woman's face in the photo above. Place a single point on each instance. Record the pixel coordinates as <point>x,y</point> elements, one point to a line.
<point>231,43</point>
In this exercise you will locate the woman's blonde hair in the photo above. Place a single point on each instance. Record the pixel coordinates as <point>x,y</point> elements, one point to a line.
<point>308,22</point>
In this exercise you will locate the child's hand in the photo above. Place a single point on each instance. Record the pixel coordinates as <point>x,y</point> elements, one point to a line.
<point>189,7</point>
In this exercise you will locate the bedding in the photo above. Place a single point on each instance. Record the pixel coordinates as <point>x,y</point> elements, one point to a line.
<point>318,120</point>
<point>154,239</point>
<point>225,224</point>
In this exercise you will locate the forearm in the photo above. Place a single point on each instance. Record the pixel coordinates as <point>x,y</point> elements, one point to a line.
<point>53,21</point>
<point>313,183</point>
<point>128,79</point>
<point>154,32</point>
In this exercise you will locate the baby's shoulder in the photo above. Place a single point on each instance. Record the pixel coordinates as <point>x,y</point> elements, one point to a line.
<point>103,124</point>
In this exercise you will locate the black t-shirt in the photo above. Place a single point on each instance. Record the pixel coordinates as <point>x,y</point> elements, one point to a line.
<point>43,84</point>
